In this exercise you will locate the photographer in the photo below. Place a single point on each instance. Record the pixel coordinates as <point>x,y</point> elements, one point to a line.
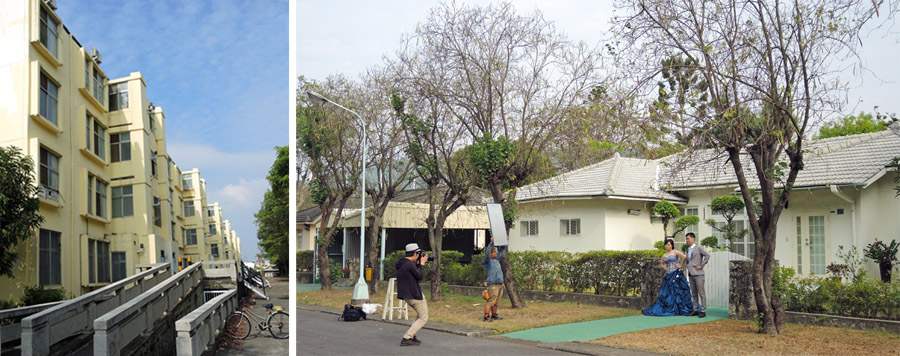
<point>410,270</point>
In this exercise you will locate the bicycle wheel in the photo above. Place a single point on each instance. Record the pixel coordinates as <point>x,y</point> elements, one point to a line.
<point>279,325</point>
<point>238,325</point>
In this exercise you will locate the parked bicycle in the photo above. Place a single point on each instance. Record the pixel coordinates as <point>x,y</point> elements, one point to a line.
<point>239,326</point>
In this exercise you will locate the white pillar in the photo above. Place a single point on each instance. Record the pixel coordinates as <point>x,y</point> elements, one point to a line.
<point>344,249</point>
<point>381,265</point>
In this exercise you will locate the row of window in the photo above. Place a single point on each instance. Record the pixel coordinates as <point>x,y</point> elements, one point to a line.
<point>567,227</point>
<point>103,266</point>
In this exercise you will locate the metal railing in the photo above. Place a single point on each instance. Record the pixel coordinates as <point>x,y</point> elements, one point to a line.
<point>198,330</point>
<point>74,316</point>
<point>115,329</point>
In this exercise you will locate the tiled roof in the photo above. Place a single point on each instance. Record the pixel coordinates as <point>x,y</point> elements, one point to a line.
<point>308,215</point>
<point>615,177</point>
<point>834,161</point>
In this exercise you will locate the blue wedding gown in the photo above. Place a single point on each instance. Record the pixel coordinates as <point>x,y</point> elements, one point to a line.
<point>674,293</point>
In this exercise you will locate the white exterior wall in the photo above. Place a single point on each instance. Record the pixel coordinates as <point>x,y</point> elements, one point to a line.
<point>548,214</point>
<point>626,232</point>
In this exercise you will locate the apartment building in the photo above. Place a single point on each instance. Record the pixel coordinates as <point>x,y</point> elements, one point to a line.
<point>111,195</point>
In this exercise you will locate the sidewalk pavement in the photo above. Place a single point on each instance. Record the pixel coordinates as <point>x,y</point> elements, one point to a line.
<point>571,347</point>
<point>262,342</point>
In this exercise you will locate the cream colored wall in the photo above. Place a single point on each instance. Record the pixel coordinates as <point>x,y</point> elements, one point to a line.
<point>413,215</point>
<point>306,236</point>
<point>625,232</point>
<point>548,215</point>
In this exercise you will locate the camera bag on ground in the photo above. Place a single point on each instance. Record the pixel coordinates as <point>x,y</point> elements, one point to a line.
<point>352,313</point>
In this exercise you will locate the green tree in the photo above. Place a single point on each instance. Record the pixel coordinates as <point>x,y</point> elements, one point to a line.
<point>852,125</point>
<point>272,217</point>
<point>668,212</point>
<point>19,205</point>
<point>728,206</point>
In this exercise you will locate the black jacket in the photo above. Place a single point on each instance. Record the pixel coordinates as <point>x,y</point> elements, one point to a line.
<point>408,276</point>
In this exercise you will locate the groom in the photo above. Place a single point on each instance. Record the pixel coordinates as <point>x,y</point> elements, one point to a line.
<point>697,257</point>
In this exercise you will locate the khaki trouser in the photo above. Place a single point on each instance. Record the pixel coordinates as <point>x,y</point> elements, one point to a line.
<point>421,308</point>
<point>495,292</point>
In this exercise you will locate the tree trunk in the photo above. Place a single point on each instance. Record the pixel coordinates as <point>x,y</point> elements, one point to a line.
<point>512,288</point>
<point>372,245</point>
<point>435,237</point>
<point>324,270</point>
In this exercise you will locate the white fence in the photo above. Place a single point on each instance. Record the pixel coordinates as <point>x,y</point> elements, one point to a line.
<point>43,329</point>
<point>198,330</point>
<point>718,277</point>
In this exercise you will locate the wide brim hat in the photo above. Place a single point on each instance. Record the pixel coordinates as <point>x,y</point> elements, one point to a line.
<point>412,247</point>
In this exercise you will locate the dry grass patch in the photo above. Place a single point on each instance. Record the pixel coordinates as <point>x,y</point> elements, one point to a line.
<point>734,337</point>
<point>463,310</point>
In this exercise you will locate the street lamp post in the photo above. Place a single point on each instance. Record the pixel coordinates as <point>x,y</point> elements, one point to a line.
<point>361,289</point>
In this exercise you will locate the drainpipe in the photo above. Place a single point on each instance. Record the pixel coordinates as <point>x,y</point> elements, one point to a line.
<point>381,265</point>
<point>837,191</point>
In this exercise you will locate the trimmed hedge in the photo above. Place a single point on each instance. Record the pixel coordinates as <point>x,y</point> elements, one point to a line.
<point>305,260</point>
<point>864,298</point>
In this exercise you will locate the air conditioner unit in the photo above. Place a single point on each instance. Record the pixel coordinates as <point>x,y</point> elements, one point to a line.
<point>95,54</point>
<point>634,211</point>
<point>51,4</point>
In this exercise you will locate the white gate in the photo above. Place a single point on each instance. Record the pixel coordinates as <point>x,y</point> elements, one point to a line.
<point>718,277</point>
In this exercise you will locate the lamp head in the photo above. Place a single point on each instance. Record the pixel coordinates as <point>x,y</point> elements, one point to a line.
<point>316,97</point>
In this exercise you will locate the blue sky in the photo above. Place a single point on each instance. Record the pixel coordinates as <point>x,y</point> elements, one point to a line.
<point>219,70</point>
<point>350,36</point>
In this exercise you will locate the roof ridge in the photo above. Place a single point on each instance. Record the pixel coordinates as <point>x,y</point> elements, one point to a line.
<point>613,175</point>
<point>833,144</point>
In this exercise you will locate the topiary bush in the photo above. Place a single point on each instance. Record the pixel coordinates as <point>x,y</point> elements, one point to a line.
<point>305,260</point>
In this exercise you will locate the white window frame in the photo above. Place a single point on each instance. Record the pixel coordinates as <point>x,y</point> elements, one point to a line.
<point>49,26</point>
<point>570,227</point>
<point>189,211</point>
<point>49,98</point>
<point>123,198</point>
<point>49,173</point>
<point>529,228</point>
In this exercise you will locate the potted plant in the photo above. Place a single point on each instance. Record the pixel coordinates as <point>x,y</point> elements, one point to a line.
<point>838,270</point>
<point>883,254</point>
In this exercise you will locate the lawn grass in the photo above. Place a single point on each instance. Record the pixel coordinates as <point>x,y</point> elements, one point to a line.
<point>465,310</point>
<point>735,337</point>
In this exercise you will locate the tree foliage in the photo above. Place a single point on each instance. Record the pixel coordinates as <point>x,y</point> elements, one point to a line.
<point>854,124</point>
<point>728,206</point>
<point>669,212</point>
<point>766,65</point>
<point>19,205</point>
<point>272,217</point>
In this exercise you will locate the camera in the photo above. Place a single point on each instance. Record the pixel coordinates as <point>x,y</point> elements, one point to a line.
<point>430,258</point>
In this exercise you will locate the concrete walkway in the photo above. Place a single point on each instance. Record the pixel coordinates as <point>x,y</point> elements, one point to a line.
<point>592,330</point>
<point>262,342</point>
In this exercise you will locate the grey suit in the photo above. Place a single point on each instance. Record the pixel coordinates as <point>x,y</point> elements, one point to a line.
<point>698,257</point>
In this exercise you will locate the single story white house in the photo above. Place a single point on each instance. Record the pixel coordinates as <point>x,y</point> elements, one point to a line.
<point>843,197</point>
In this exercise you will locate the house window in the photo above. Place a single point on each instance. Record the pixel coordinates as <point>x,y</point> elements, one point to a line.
<point>49,265</point>
<point>96,137</point>
<point>187,182</point>
<point>570,227</point>
<point>123,201</point>
<point>87,74</point>
<point>190,237</point>
<point>529,228</point>
<point>120,146</point>
<point>119,266</point>
<point>162,255</point>
<point>212,229</point>
<point>214,248</point>
<point>98,261</point>
<point>48,99</point>
<point>210,211</point>
<point>49,174</point>
<point>118,96</point>
<point>153,163</point>
<point>189,208</point>
<point>49,33</point>
<point>172,231</point>
<point>157,212</point>
<point>96,196</point>
<point>99,87</point>
<point>744,246</point>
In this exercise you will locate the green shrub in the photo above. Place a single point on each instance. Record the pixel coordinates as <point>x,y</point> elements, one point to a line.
<point>389,261</point>
<point>864,298</point>
<point>710,242</point>
<point>38,295</point>
<point>305,260</point>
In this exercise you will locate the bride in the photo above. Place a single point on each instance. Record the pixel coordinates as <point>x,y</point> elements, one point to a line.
<point>674,292</point>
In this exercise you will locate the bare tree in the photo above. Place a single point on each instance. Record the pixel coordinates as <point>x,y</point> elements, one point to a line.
<point>502,76</point>
<point>766,65</point>
<point>392,170</point>
<point>329,139</point>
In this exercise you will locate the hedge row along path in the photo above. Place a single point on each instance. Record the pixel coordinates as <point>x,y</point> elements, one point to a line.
<point>592,330</point>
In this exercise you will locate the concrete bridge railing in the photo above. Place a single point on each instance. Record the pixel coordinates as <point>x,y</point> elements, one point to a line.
<point>74,316</point>
<point>198,330</point>
<point>115,329</point>
<point>13,332</point>
<point>220,269</point>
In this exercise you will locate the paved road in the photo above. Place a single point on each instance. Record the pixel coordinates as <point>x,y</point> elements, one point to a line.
<point>262,343</point>
<point>322,334</point>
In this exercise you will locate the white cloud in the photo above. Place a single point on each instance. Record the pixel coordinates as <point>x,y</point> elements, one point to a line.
<point>245,195</point>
